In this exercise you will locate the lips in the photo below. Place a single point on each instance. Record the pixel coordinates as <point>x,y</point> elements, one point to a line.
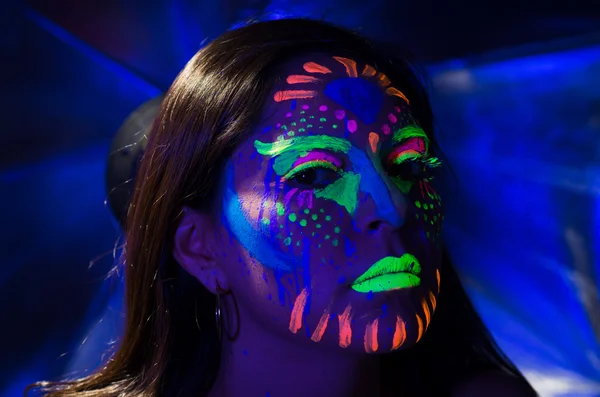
<point>389,273</point>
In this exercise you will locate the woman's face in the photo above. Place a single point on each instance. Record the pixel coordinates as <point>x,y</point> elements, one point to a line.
<point>334,222</point>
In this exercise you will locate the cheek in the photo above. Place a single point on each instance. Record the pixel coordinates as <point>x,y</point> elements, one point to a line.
<point>429,212</point>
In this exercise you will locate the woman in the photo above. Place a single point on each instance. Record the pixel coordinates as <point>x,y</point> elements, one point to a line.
<point>284,234</point>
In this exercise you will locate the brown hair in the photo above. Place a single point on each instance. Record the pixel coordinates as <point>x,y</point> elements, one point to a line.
<point>170,335</point>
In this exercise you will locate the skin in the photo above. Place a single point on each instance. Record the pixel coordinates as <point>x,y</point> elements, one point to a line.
<point>331,189</point>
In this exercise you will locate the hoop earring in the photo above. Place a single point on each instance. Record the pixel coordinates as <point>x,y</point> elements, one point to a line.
<point>218,317</point>
<point>221,325</point>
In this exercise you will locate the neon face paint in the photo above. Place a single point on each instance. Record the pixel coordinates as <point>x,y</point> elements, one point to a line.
<point>371,343</point>
<point>298,311</point>
<point>388,274</point>
<point>337,152</point>
<point>345,327</point>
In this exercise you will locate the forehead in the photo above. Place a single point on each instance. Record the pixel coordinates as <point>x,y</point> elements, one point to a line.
<point>330,95</point>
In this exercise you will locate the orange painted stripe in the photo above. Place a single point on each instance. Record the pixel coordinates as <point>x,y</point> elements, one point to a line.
<point>298,78</point>
<point>437,276</point>
<point>349,64</point>
<point>425,307</point>
<point>421,329</point>
<point>312,67</point>
<point>369,71</point>
<point>371,344</point>
<point>281,96</point>
<point>321,327</point>
<point>396,92</point>
<point>345,328</point>
<point>399,333</point>
<point>298,311</point>
<point>383,80</point>
<point>373,141</point>
<point>433,301</point>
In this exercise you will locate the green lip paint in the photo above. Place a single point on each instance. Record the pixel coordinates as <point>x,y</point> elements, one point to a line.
<point>388,274</point>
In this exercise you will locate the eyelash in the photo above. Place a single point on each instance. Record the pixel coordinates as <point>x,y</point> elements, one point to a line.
<point>424,166</point>
<point>312,166</point>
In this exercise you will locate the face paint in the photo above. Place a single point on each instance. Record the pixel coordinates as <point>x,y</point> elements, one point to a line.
<point>345,327</point>
<point>298,311</point>
<point>389,273</point>
<point>333,144</point>
<point>321,327</point>
<point>371,342</point>
<point>399,334</point>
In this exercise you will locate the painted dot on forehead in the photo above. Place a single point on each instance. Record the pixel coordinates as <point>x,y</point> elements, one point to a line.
<point>323,108</point>
<point>352,126</point>
<point>392,118</point>
<point>288,114</point>
<point>305,107</point>
<point>339,114</point>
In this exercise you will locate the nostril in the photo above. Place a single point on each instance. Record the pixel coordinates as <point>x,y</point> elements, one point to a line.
<point>374,226</point>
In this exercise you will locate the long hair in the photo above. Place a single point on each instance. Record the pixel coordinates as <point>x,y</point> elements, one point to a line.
<point>170,345</point>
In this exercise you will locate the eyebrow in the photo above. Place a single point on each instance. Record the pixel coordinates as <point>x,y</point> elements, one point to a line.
<point>410,131</point>
<point>286,152</point>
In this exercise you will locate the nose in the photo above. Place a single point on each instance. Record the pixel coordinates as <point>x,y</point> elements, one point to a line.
<point>382,204</point>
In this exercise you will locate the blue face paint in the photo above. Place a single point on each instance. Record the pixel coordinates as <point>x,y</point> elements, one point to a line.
<point>371,183</point>
<point>360,96</point>
<point>260,248</point>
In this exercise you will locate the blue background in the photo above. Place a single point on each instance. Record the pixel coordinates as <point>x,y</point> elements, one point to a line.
<point>516,92</point>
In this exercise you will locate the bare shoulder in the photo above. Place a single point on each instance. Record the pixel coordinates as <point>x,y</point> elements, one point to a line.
<point>493,384</point>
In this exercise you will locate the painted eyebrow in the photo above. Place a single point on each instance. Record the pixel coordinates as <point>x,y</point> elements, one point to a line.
<point>410,131</point>
<point>286,152</point>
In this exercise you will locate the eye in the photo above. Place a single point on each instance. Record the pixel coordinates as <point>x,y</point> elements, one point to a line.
<point>415,169</point>
<point>316,175</point>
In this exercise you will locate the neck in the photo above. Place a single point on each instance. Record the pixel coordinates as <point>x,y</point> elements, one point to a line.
<point>262,364</point>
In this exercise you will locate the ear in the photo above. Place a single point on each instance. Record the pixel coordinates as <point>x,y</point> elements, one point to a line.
<point>196,246</point>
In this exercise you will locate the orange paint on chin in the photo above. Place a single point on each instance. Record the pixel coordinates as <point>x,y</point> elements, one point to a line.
<point>396,92</point>
<point>345,328</point>
<point>312,67</point>
<point>399,334</point>
<point>349,64</point>
<point>427,313</point>
<point>433,301</point>
<point>371,344</point>
<point>437,276</point>
<point>321,327</point>
<point>298,79</point>
<point>298,311</point>
<point>281,96</point>
<point>373,141</point>
<point>421,329</point>
<point>369,71</point>
<point>383,80</point>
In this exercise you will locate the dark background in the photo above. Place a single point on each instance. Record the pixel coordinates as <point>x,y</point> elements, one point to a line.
<point>516,88</point>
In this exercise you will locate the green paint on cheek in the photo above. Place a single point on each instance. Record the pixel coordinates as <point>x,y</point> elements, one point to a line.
<point>327,218</point>
<point>314,217</point>
<point>418,204</point>
<point>280,209</point>
<point>344,191</point>
<point>321,210</point>
<point>334,242</point>
<point>287,241</point>
<point>303,222</point>
<point>318,225</point>
<point>292,217</point>
<point>266,221</point>
<point>403,186</point>
<point>336,229</point>
<point>307,211</point>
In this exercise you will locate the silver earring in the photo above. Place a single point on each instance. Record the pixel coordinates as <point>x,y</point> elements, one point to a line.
<point>218,317</point>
